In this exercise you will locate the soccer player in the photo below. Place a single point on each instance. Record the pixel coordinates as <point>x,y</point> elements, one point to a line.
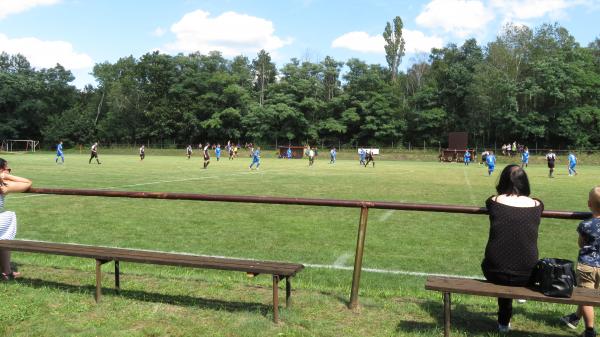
<point>572,164</point>
<point>491,163</point>
<point>235,150</point>
<point>188,151</point>
<point>467,157</point>
<point>551,158</point>
<point>206,155</point>
<point>218,152</point>
<point>59,152</point>
<point>332,155</point>
<point>311,157</point>
<point>361,156</point>
<point>289,153</point>
<point>484,155</point>
<point>369,157</point>
<point>142,152</point>
<point>255,158</point>
<point>525,157</point>
<point>94,153</point>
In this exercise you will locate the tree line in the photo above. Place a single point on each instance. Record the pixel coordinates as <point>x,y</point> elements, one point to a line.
<point>531,85</point>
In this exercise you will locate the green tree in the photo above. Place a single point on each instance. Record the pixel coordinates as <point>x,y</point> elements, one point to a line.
<point>394,46</point>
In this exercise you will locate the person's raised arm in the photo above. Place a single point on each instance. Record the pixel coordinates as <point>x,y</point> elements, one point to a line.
<point>14,184</point>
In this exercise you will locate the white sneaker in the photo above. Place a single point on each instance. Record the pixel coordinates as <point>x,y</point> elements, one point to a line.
<point>503,328</point>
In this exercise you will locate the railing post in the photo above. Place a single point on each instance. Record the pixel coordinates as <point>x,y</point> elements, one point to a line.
<point>360,246</point>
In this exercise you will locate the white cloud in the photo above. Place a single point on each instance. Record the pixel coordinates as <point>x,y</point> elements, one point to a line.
<point>415,42</point>
<point>158,32</point>
<point>46,54</point>
<point>8,7</point>
<point>459,17</point>
<point>230,33</point>
<point>361,42</point>
<point>531,9</point>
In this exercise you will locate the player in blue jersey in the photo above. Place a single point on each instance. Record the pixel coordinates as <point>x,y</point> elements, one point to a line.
<point>289,153</point>
<point>218,152</point>
<point>332,155</point>
<point>255,158</point>
<point>525,157</point>
<point>491,162</point>
<point>59,153</point>
<point>467,157</point>
<point>361,156</point>
<point>572,164</point>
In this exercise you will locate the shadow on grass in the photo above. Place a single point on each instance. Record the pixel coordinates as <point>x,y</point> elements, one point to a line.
<point>464,319</point>
<point>138,295</point>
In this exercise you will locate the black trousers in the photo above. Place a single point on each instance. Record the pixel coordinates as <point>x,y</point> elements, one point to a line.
<point>505,304</point>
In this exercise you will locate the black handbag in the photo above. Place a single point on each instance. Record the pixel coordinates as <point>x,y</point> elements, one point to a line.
<point>554,277</point>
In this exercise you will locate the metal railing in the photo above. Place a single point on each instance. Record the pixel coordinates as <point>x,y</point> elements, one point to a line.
<point>362,223</point>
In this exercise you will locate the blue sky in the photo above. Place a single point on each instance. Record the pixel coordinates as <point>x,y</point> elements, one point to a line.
<point>80,33</point>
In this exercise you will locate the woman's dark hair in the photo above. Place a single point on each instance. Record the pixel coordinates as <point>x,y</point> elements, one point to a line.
<point>513,181</point>
<point>3,163</point>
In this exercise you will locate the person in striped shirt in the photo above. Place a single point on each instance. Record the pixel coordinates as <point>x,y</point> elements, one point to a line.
<point>8,220</point>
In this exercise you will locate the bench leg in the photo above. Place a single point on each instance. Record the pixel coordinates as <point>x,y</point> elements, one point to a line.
<point>98,280</point>
<point>276,298</point>
<point>447,302</point>
<point>117,277</point>
<point>288,292</point>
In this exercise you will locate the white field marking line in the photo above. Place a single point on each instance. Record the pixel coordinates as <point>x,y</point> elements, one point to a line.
<point>471,195</point>
<point>341,260</point>
<point>310,265</point>
<point>149,183</point>
<point>386,215</point>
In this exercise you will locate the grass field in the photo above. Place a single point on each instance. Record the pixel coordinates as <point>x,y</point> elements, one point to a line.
<point>54,298</point>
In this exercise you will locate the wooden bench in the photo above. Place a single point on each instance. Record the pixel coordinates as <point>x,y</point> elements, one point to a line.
<point>449,285</point>
<point>103,255</point>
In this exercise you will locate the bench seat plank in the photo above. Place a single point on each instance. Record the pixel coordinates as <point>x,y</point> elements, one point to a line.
<point>581,296</point>
<point>161,258</point>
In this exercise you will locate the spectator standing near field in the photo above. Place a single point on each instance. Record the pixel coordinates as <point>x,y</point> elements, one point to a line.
<point>551,159</point>
<point>94,153</point>
<point>8,220</point>
<point>59,153</point>
<point>572,164</point>
<point>588,263</point>
<point>511,252</point>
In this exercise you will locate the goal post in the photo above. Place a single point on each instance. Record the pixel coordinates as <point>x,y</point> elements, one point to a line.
<point>19,145</point>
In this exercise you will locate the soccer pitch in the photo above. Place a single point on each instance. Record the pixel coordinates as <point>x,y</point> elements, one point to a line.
<point>401,247</point>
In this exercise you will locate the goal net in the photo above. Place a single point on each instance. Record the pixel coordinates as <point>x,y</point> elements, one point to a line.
<point>19,145</point>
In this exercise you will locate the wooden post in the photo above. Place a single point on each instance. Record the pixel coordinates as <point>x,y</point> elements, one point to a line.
<point>117,277</point>
<point>288,292</point>
<point>358,257</point>
<point>98,280</point>
<point>276,298</point>
<point>447,303</point>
